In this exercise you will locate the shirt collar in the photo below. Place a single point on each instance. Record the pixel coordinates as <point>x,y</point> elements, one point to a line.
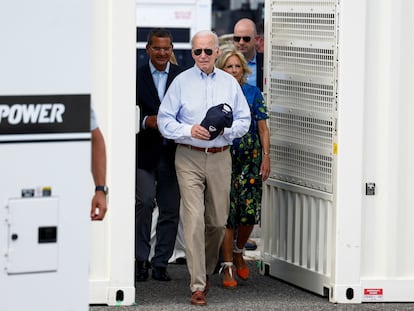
<point>204,75</point>
<point>154,70</point>
<point>253,61</point>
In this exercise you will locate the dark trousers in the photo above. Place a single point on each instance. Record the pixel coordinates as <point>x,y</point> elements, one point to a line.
<point>158,186</point>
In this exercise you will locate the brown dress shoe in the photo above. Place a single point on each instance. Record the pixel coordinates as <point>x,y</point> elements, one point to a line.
<point>198,298</point>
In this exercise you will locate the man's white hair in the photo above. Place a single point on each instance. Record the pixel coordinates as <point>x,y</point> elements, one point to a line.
<point>206,33</point>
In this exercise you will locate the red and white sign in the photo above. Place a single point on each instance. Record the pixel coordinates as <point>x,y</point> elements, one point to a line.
<point>373,294</point>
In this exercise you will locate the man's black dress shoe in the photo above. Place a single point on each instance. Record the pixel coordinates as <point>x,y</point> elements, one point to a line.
<point>141,271</point>
<point>160,274</point>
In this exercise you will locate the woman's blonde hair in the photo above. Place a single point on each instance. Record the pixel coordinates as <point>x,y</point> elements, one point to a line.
<point>173,59</point>
<point>225,53</point>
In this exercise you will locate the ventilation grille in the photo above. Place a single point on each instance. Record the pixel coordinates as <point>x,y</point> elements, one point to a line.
<point>302,94</point>
<point>318,63</point>
<point>307,96</point>
<point>303,130</point>
<point>304,26</point>
<point>305,168</point>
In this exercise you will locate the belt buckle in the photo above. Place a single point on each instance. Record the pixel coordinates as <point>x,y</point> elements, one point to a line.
<point>206,150</point>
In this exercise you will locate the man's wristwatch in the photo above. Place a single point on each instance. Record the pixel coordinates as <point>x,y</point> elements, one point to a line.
<point>104,189</point>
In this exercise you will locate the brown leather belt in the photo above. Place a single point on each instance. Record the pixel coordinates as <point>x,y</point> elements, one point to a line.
<point>206,150</point>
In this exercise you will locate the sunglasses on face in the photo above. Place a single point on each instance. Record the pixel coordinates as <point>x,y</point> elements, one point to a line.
<point>198,52</point>
<point>245,38</point>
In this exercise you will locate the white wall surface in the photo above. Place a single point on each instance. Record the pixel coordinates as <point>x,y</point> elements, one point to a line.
<point>112,253</point>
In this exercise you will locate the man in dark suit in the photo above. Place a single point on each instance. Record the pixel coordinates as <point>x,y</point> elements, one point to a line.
<point>245,37</point>
<point>156,181</point>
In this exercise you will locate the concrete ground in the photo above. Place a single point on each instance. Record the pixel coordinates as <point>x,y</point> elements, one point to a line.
<point>258,293</point>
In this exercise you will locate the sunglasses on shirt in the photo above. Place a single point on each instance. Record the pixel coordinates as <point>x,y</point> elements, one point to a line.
<point>198,52</point>
<point>245,38</point>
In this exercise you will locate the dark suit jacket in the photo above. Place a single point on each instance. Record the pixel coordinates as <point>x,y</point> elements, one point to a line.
<point>259,63</point>
<point>149,142</point>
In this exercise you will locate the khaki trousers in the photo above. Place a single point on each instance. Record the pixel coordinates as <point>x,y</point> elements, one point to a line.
<point>204,180</point>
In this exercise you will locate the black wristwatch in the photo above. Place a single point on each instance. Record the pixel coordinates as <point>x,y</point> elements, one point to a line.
<point>104,189</point>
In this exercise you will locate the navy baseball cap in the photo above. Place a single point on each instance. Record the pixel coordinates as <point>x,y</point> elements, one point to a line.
<point>217,118</point>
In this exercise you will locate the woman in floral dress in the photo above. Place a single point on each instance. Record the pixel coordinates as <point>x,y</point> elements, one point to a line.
<point>251,166</point>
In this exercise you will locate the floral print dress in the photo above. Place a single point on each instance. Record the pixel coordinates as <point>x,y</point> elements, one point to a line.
<point>246,187</point>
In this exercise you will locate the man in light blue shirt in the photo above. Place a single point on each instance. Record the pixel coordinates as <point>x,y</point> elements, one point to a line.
<point>252,78</point>
<point>203,165</point>
<point>245,39</point>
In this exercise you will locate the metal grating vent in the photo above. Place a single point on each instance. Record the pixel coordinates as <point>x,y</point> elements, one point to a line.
<point>318,63</point>
<point>307,96</point>
<point>302,95</point>
<point>305,168</point>
<point>308,26</point>
<point>303,130</point>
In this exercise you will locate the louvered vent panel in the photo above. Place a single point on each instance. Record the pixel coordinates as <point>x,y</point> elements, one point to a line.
<point>302,92</point>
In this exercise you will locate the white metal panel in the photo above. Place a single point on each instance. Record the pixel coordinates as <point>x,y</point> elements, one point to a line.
<point>46,49</point>
<point>388,232</point>
<point>297,235</point>
<point>346,283</point>
<point>301,90</point>
<point>111,271</point>
<point>369,250</point>
<point>298,218</point>
<point>26,217</point>
<point>65,288</point>
<point>194,15</point>
<point>304,62</point>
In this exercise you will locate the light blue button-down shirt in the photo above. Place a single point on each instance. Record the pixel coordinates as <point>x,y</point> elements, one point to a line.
<point>160,79</point>
<point>252,78</point>
<point>189,97</point>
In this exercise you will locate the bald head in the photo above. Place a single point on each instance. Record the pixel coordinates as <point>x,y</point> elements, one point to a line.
<point>245,35</point>
<point>246,24</point>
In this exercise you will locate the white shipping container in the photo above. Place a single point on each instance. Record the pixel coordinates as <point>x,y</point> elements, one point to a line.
<point>45,146</point>
<point>336,214</point>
